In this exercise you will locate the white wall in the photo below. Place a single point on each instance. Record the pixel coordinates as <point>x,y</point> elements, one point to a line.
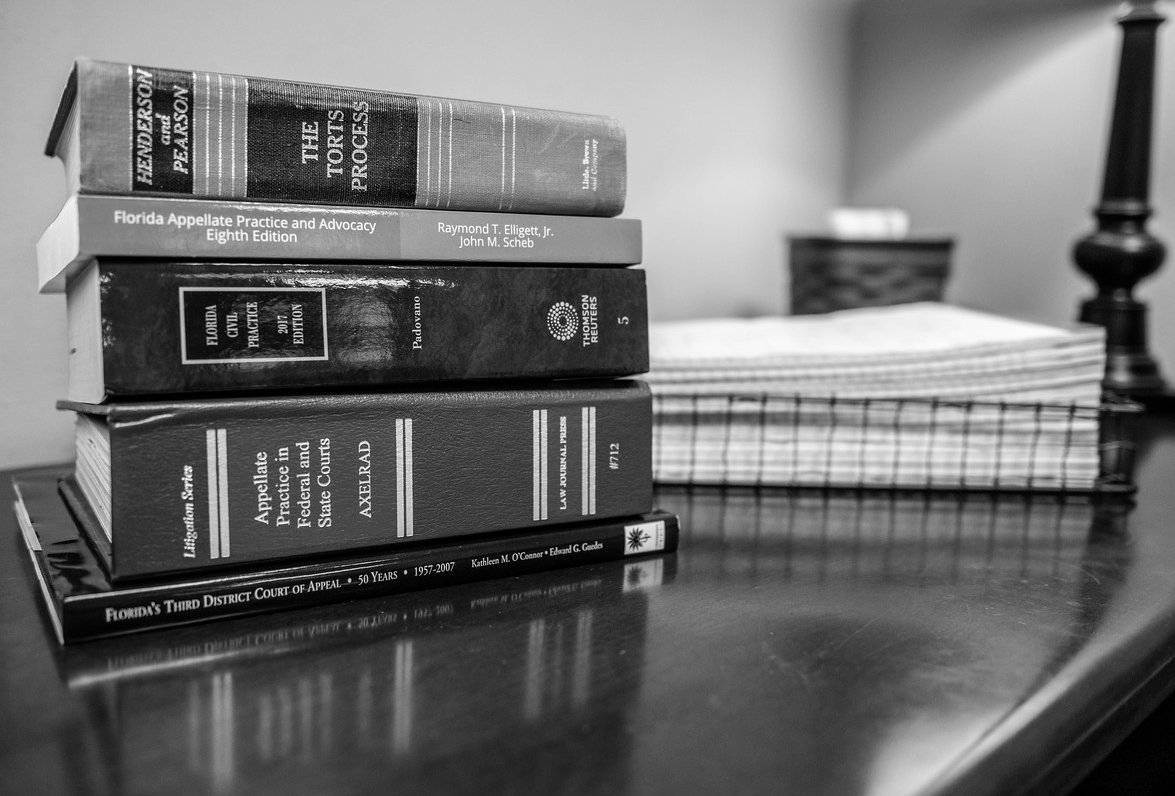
<point>735,111</point>
<point>747,119</point>
<point>989,121</point>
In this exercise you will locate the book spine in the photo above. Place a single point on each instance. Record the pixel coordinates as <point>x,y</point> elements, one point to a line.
<point>195,229</point>
<point>186,328</point>
<point>166,132</point>
<point>39,569</point>
<point>132,610</point>
<point>208,484</point>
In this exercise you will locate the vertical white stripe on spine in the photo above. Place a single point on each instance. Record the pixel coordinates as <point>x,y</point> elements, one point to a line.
<point>428,196</point>
<point>207,134</point>
<point>220,135</point>
<point>535,452</point>
<point>583,460</point>
<point>325,329</point>
<point>592,461</point>
<point>449,189</point>
<point>183,328</point>
<point>408,519</point>
<point>399,477</point>
<point>419,152</point>
<point>222,490</point>
<point>427,151</point>
<point>213,473</point>
<point>502,187</point>
<point>130,162</point>
<point>242,145</point>
<point>435,193</point>
<point>440,149</point>
<point>544,462</point>
<point>232,139</point>
<point>513,152</point>
<point>428,192</point>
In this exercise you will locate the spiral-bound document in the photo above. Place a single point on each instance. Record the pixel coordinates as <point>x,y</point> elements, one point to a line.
<point>920,395</point>
<point>779,440</point>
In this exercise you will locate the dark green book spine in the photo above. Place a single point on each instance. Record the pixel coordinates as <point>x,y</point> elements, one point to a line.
<point>87,606</point>
<point>204,134</point>
<point>214,483</point>
<point>174,328</point>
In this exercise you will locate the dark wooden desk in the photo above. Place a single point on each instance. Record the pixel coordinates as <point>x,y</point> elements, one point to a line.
<point>801,644</point>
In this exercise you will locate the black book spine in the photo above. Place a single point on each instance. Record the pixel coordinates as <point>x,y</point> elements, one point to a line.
<point>87,607</point>
<point>133,610</point>
<point>218,482</point>
<point>175,328</point>
<point>143,609</point>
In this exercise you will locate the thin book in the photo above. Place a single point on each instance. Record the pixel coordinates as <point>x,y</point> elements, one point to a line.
<point>163,228</point>
<point>83,602</point>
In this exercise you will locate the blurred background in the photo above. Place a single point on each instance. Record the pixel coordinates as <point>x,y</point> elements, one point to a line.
<point>747,120</point>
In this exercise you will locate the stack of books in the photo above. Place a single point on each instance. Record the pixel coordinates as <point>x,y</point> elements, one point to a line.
<point>921,395</point>
<point>330,342</point>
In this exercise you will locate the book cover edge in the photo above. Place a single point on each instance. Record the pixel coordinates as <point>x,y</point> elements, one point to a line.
<point>60,605</point>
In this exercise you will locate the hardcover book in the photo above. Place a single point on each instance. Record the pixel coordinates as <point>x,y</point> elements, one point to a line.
<point>92,225</point>
<point>357,626</point>
<point>206,484</point>
<point>139,329</point>
<point>84,604</point>
<point>131,129</point>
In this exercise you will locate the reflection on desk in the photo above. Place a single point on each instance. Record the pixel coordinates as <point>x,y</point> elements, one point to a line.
<point>900,627</point>
<point>256,704</point>
<point>800,641</point>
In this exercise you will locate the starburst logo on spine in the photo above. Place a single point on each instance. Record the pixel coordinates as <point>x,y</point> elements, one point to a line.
<point>562,321</point>
<point>645,537</point>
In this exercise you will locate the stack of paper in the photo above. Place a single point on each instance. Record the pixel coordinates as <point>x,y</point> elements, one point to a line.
<point>904,351</point>
<point>916,395</point>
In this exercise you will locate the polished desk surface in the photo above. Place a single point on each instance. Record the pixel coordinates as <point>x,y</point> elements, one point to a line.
<point>808,643</point>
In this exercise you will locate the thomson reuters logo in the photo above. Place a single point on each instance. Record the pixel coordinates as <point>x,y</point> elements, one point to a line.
<point>562,321</point>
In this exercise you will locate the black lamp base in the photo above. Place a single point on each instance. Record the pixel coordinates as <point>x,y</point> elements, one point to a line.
<point>1130,369</point>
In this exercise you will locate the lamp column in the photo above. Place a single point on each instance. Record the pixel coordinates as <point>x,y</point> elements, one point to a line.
<point>1120,252</point>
